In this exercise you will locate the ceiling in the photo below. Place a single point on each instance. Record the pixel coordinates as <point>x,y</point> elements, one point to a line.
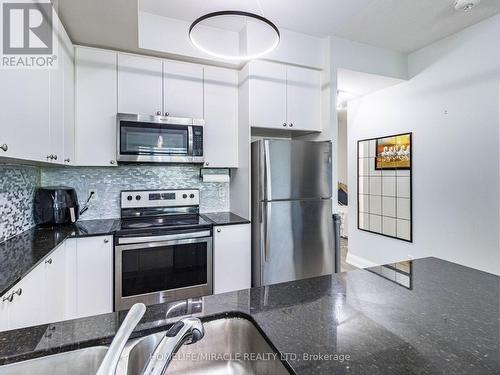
<point>401,25</point>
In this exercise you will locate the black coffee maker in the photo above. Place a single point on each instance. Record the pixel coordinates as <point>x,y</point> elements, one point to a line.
<point>56,205</point>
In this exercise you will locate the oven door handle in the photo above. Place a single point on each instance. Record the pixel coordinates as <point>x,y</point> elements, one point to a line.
<point>167,237</point>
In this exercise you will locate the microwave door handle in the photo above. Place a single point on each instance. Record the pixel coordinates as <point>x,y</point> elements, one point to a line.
<point>190,140</point>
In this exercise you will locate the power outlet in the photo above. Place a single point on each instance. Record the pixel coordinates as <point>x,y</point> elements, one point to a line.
<point>92,192</point>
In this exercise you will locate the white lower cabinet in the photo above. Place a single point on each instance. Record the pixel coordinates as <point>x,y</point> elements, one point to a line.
<point>94,275</point>
<point>75,281</point>
<point>232,258</point>
<point>54,294</point>
<point>26,306</point>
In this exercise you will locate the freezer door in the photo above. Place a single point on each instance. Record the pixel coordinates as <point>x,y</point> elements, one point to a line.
<point>296,169</point>
<point>297,240</point>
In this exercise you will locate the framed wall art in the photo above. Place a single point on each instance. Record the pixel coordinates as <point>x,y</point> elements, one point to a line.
<point>385,186</point>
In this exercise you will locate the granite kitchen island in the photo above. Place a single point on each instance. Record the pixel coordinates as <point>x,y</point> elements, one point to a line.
<point>446,322</point>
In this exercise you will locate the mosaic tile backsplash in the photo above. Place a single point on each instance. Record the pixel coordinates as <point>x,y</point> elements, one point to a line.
<point>17,186</point>
<point>108,182</point>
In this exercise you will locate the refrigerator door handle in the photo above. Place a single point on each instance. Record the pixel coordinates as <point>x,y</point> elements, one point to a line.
<point>266,221</point>
<point>267,172</point>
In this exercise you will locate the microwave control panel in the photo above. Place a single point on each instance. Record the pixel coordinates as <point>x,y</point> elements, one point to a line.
<point>197,140</point>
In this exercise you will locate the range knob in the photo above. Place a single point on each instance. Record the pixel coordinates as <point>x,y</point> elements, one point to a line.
<point>184,196</point>
<point>129,198</point>
<point>138,197</point>
<point>191,196</point>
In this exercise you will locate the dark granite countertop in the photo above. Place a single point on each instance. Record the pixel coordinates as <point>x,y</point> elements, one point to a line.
<point>21,253</point>
<point>447,323</point>
<point>224,218</point>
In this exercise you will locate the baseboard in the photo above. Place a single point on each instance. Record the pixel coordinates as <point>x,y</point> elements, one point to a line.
<point>359,262</point>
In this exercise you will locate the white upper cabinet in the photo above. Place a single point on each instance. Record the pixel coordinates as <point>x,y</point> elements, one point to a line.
<point>267,95</point>
<point>183,89</point>
<point>140,85</point>
<point>221,118</point>
<point>37,106</point>
<point>62,112</point>
<point>303,92</point>
<point>56,128</point>
<point>96,107</point>
<point>68,61</point>
<point>284,97</point>
<point>25,114</point>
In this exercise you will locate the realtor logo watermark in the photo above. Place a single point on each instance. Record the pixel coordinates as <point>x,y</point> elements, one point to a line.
<point>28,35</point>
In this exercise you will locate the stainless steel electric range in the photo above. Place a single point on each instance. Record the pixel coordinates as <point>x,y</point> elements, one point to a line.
<point>163,250</point>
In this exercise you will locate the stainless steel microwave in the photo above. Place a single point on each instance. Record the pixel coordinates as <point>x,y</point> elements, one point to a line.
<point>159,139</point>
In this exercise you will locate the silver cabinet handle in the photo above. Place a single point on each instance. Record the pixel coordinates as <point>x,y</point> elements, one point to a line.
<point>10,297</point>
<point>106,240</point>
<point>55,157</point>
<point>49,157</point>
<point>167,113</point>
<point>67,160</point>
<point>4,147</point>
<point>291,125</point>
<point>218,230</point>
<point>207,163</point>
<point>158,113</point>
<point>48,261</point>
<point>284,124</point>
<point>112,162</point>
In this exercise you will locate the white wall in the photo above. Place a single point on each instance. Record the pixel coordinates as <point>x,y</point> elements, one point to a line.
<point>342,147</point>
<point>451,104</point>
<point>346,54</point>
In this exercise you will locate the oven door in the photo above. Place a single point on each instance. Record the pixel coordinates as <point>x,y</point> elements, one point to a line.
<point>140,141</point>
<point>162,271</point>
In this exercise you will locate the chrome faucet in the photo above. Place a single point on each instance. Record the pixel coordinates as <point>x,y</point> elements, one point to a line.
<point>185,331</point>
<point>110,361</point>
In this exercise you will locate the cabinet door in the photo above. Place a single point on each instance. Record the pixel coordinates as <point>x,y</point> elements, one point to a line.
<point>27,309</point>
<point>25,114</point>
<point>69,102</point>
<point>232,258</point>
<point>303,99</point>
<point>71,300</point>
<point>183,89</point>
<point>54,300</point>
<point>94,270</point>
<point>267,95</point>
<point>221,118</point>
<point>56,128</point>
<point>4,312</point>
<point>139,85</point>
<point>95,107</point>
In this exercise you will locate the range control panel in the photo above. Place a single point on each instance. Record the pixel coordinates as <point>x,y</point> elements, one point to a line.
<point>159,198</point>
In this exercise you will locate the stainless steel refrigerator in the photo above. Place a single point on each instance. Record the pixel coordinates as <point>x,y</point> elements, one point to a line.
<point>292,224</point>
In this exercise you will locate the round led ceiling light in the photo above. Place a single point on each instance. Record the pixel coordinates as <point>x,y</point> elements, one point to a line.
<point>220,34</point>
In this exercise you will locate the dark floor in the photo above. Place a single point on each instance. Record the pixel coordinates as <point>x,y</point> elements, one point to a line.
<point>343,247</point>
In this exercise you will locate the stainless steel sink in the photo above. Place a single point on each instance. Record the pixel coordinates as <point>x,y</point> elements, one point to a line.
<point>76,362</point>
<point>230,346</point>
